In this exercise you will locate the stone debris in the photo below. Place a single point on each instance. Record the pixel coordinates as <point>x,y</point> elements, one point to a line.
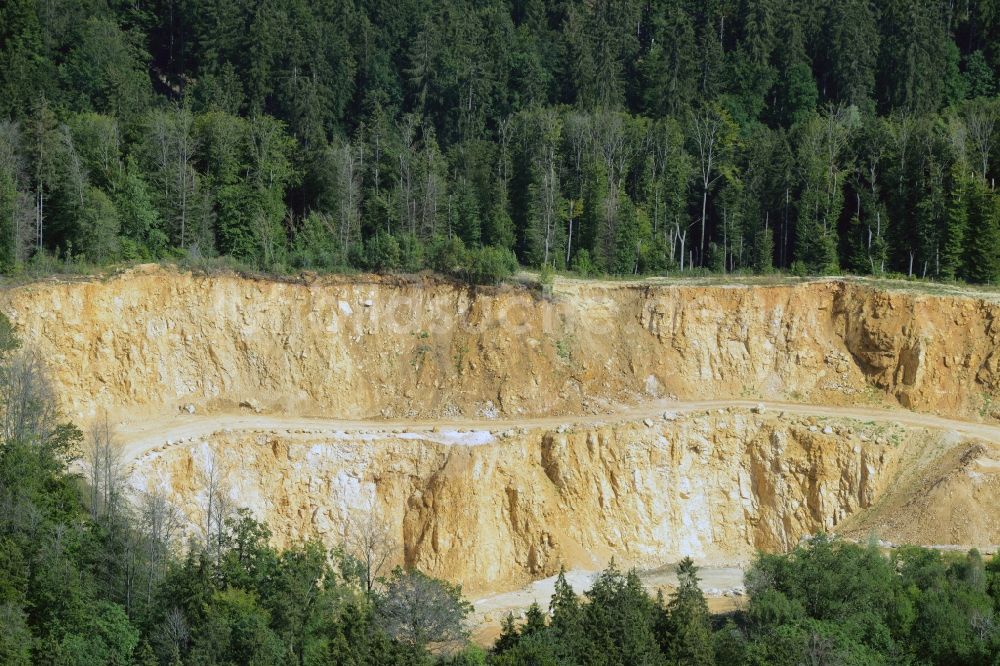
<point>490,411</point>
<point>251,404</point>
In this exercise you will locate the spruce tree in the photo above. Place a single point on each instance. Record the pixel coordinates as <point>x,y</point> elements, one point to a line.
<point>690,633</point>
<point>534,620</point>
<point>982,248</point>
<point>566,626</point>
<point>509,635</point>
<point>956,223</point>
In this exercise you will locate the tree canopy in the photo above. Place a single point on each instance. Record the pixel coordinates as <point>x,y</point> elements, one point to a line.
<point>621,137</point>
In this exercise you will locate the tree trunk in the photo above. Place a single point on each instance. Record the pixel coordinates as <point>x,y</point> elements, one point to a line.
<point>704,207</point>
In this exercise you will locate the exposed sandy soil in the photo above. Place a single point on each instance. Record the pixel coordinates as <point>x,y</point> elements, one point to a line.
<point>139,437</point>
<point>945,494</point>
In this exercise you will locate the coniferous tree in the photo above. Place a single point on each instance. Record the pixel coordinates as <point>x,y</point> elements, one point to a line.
<point>206,128</point>
<point>689,636</point>
<point>982,261</point>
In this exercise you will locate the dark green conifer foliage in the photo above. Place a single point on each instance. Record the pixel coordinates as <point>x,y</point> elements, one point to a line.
<point>689,637</point>
<point>286,136</point>
<point>982,258</point>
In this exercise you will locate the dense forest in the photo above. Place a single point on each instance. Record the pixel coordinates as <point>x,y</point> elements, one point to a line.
<point>95,574</point>
<point>610,136</point>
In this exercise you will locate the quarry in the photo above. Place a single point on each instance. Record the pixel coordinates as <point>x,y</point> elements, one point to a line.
<point>502,433</point>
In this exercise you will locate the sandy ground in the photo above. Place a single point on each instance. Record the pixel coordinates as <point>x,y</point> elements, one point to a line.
<point>141,436</point>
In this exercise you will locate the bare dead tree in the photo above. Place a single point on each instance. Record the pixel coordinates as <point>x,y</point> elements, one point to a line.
<point>28,409</point>
<point>980,117</point>
<point>505,134</point>
<point>217,507</point>
<point>370,540</point>
<point>610,141</point>
<point>105,469</point>
<point>433,186</point>
<point>706,133</point>
<point>44,148</point>
<point>869,168</point>
<point>417,609</point>
<point>160,521</point>
<point>174,146</point>
<point>577,135</point>
<point>348,160</point>
<point>836,134</point>
<point>73,167</point>
<point>407,149</point>
<point>23,227</point>
<point>111,507</point>
<point>822,651</point>
<point>983,624</point>
<point>549,132</point>
<point>13,172</point>
<point>173,634</point>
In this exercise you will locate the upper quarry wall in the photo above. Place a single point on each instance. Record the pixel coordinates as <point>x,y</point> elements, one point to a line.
<point>152,340</point>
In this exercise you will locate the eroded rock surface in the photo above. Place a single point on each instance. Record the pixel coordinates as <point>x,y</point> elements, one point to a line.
<point>494,512</point>
<point>497,507</point>
<point>153,341</point>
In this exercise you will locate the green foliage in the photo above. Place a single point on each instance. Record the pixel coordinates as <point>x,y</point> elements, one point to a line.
<point>688,635</point>
<point>236,631</point>
<point>582,263</point>
<point>619,619</point>
<point>448,255</point>
<point>826,602</point>
<point>412,253</point>
<point>15,635</point>
<point>861,607</point>
<point>546,277</point>
<point>489,265</point>
<point>314,246</point>
<point>99,227</point>
<point>417,610</point>
<point>382,253</point>
<point>982,262</point>
<point>980,80</point>
<point>309,136</point>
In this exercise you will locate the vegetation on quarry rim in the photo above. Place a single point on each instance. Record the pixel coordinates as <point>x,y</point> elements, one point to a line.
<point>531,280</point>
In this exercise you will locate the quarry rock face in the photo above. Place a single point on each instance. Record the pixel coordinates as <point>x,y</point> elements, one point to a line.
<point>496,514</point>
<point>156,341</point>
<point>495,507</point>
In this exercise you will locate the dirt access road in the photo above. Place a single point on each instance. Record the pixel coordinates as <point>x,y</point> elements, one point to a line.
<point>140,437</point>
